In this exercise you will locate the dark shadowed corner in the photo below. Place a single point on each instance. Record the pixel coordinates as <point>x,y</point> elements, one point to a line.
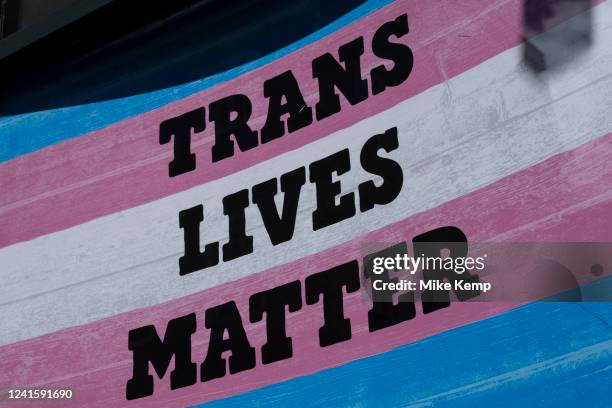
<point>555,31</point>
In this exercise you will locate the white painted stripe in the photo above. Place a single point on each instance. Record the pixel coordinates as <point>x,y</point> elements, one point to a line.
<point>489,122</point>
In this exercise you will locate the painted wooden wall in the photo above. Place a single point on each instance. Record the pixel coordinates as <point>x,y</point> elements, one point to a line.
<point>89,234</point>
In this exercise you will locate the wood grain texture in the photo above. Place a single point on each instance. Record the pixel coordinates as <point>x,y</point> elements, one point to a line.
<point>96,353</point>
<point>48,127</point>
<point>124,165</point>
<point>528,120</point>
<point>543,354</point>
<point>485,145</point>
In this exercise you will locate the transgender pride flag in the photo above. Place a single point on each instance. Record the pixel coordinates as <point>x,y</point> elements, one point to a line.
<point>90,236</point>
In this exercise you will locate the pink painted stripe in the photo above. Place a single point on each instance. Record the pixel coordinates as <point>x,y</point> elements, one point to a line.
<point>565,198</point>
<point>123,165</point>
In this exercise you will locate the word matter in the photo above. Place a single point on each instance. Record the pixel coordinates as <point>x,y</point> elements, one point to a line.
<point>227,335</point>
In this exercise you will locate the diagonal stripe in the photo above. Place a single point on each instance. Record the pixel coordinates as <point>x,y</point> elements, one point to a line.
<point>142,245</point>
<point>528,122</point>
<point>94,354</point>
<point>25,133</point>
<point>542,354</point>
<point>124,165</point>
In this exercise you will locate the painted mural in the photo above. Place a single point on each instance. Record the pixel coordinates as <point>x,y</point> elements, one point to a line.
<point>204,244</point>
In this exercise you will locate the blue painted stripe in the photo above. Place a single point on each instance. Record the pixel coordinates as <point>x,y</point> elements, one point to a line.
<point>25,133</point>
<point>542,354</point>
